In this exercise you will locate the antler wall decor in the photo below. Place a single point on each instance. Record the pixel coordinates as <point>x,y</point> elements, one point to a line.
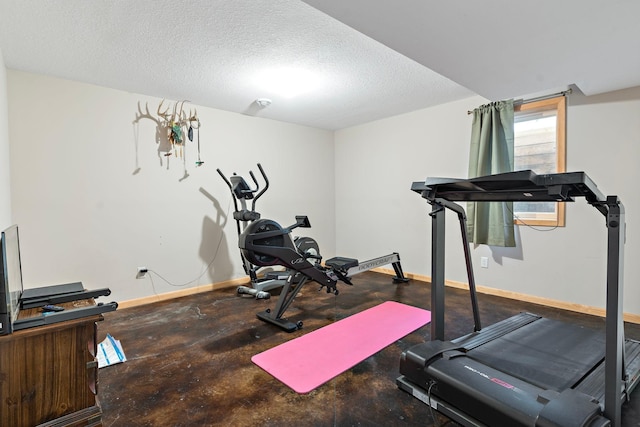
<point>172,124</point>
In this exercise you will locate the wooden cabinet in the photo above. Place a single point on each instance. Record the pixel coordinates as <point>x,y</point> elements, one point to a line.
<point>49,375</point>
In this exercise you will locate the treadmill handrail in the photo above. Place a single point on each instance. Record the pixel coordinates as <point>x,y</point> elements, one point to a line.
<point>462,218</point>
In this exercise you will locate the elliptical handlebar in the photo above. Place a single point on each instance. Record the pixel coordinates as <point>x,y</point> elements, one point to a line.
<point>235,201</point>
<point>226,180</point>
<point>255,181</point>
<point>266,185</point>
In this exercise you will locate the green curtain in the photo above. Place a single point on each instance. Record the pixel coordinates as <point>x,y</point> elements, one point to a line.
<point>491,152</point>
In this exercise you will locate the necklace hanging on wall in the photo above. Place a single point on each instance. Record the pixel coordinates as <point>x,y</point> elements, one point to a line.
<point>199,162</point>
<point>194,123</point>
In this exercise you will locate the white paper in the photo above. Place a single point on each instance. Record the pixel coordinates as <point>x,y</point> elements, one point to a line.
<point>110,352</point>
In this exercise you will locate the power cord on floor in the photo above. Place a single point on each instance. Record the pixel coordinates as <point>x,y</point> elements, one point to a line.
<point>436,423</point>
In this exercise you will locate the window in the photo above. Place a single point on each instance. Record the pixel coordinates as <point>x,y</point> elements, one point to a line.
<point>539,145</point>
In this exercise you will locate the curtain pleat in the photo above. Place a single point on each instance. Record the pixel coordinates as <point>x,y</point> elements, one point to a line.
<point>491,152</point>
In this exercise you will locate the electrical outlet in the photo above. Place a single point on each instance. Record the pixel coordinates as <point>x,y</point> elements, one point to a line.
<point>142,271</point>
<point>484,262</point>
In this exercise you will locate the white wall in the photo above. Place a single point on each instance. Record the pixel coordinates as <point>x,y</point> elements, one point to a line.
<point>5,184</point>
<point>85,215</point>
<point>376,212</point>
<point>375,166</point>
<point>94,200</point>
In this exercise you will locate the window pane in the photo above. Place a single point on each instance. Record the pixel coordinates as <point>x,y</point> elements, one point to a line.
<point>535,145</point>
<point>535,149</point>
<point>539,146</point>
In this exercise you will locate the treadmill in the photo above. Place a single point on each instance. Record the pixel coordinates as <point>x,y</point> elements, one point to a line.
<point>526,370</point>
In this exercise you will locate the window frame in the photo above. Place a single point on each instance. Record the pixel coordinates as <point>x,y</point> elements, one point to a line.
<point>560,106</point>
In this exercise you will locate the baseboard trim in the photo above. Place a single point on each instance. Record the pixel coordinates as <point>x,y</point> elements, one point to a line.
<point>548,302</point>
<point>183,293</point>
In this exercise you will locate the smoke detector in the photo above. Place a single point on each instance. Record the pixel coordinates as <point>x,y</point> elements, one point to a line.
<point>263,102</point>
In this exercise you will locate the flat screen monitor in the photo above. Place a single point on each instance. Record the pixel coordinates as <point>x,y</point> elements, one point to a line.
<point>10,279</point>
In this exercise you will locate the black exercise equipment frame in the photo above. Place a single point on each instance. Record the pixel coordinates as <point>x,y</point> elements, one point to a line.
<point>266,243</point>
<point>242,193</point>
<point>528,186</point>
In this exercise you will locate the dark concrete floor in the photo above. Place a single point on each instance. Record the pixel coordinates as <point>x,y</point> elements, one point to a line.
<point>189,360</point>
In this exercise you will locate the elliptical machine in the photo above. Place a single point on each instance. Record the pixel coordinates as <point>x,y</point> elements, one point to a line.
<point>261,283</point>
<point>264,243</point>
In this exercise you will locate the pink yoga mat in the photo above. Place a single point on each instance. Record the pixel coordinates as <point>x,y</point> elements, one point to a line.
<point>313,359</point>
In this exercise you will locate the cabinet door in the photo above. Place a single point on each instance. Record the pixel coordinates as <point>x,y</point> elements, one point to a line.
<point>47,372</point>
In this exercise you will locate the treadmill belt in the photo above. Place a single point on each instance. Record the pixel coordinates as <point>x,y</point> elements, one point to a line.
<point>546,353</point>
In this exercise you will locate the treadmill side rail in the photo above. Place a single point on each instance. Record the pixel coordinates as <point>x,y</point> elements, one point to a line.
<point>569,408</point>
<point>443,407</point>
<point>493,398</point>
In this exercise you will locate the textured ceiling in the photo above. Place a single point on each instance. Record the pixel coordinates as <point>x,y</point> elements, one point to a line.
<point>213,52</point>
<point>221,53</point>
<point>503,48</point>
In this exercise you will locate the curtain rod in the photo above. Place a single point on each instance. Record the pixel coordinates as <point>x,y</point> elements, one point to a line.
<point>538,98</point>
